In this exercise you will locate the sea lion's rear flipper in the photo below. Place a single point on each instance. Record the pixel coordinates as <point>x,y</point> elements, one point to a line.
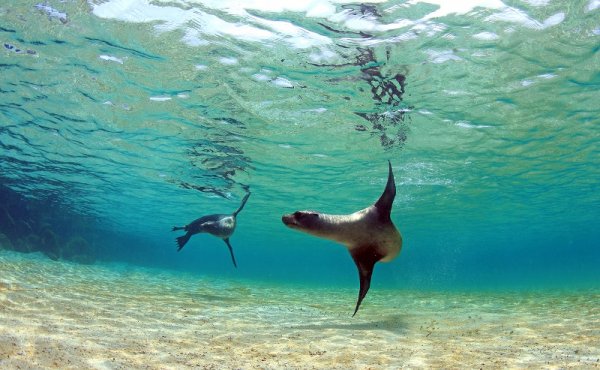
<point>182,240</point>
<point>175,228</point>
<point>384,203</point>
<point>365,259</point>
<point>230,251</point>
<point>242,205</point>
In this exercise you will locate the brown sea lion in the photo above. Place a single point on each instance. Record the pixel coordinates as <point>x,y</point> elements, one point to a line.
<point>369,234</point>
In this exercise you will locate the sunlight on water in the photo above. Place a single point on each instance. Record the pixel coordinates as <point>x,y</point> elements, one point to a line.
<point>145,115</point>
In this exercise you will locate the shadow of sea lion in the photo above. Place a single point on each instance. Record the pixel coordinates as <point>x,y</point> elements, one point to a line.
<point>394,323</point>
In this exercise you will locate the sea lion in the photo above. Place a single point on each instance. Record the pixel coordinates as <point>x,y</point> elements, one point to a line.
<point>369,234</point>
<point>219,225</point>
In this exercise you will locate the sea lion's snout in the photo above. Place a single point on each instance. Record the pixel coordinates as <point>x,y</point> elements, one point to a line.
<point>301,219</point>
<point>288,220</point>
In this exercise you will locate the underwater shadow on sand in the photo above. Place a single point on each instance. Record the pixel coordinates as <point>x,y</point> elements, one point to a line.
<point>207,297</point>
<point>394,323</point>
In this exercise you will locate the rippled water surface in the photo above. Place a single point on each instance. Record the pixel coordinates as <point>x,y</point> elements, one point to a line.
<point>130,117</point>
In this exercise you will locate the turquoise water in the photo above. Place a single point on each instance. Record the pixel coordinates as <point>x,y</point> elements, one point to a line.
<point>120,119</point>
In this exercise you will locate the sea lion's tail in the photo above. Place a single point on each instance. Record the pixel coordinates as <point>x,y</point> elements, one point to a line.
<point>242,205</point>
<point>182,240</point>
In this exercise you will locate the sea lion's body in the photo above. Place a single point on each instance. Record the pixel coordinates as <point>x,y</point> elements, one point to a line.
<point>219,225</point>
<point>369,234</point>
<point>361,228</point>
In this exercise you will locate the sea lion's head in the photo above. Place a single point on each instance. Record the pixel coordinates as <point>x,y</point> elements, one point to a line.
<point>302,220</point>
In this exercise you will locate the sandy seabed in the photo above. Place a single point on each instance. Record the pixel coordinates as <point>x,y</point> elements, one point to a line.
<point>64,315</point>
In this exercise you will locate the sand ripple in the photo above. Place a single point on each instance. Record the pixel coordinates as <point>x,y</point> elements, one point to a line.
<point>63,315</point>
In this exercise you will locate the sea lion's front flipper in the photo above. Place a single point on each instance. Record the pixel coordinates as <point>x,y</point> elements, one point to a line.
<point>365,259</point>
<point>230,251</point>
<point>385,201</point>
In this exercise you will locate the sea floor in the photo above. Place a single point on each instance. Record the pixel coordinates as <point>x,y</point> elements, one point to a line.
<point>65,315</point>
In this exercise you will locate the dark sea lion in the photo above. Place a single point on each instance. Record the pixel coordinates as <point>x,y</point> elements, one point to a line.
<point>369,234</point>
<point>219,225</point>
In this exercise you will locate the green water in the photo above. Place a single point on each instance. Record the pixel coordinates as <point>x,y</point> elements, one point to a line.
<point>135,117</point>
